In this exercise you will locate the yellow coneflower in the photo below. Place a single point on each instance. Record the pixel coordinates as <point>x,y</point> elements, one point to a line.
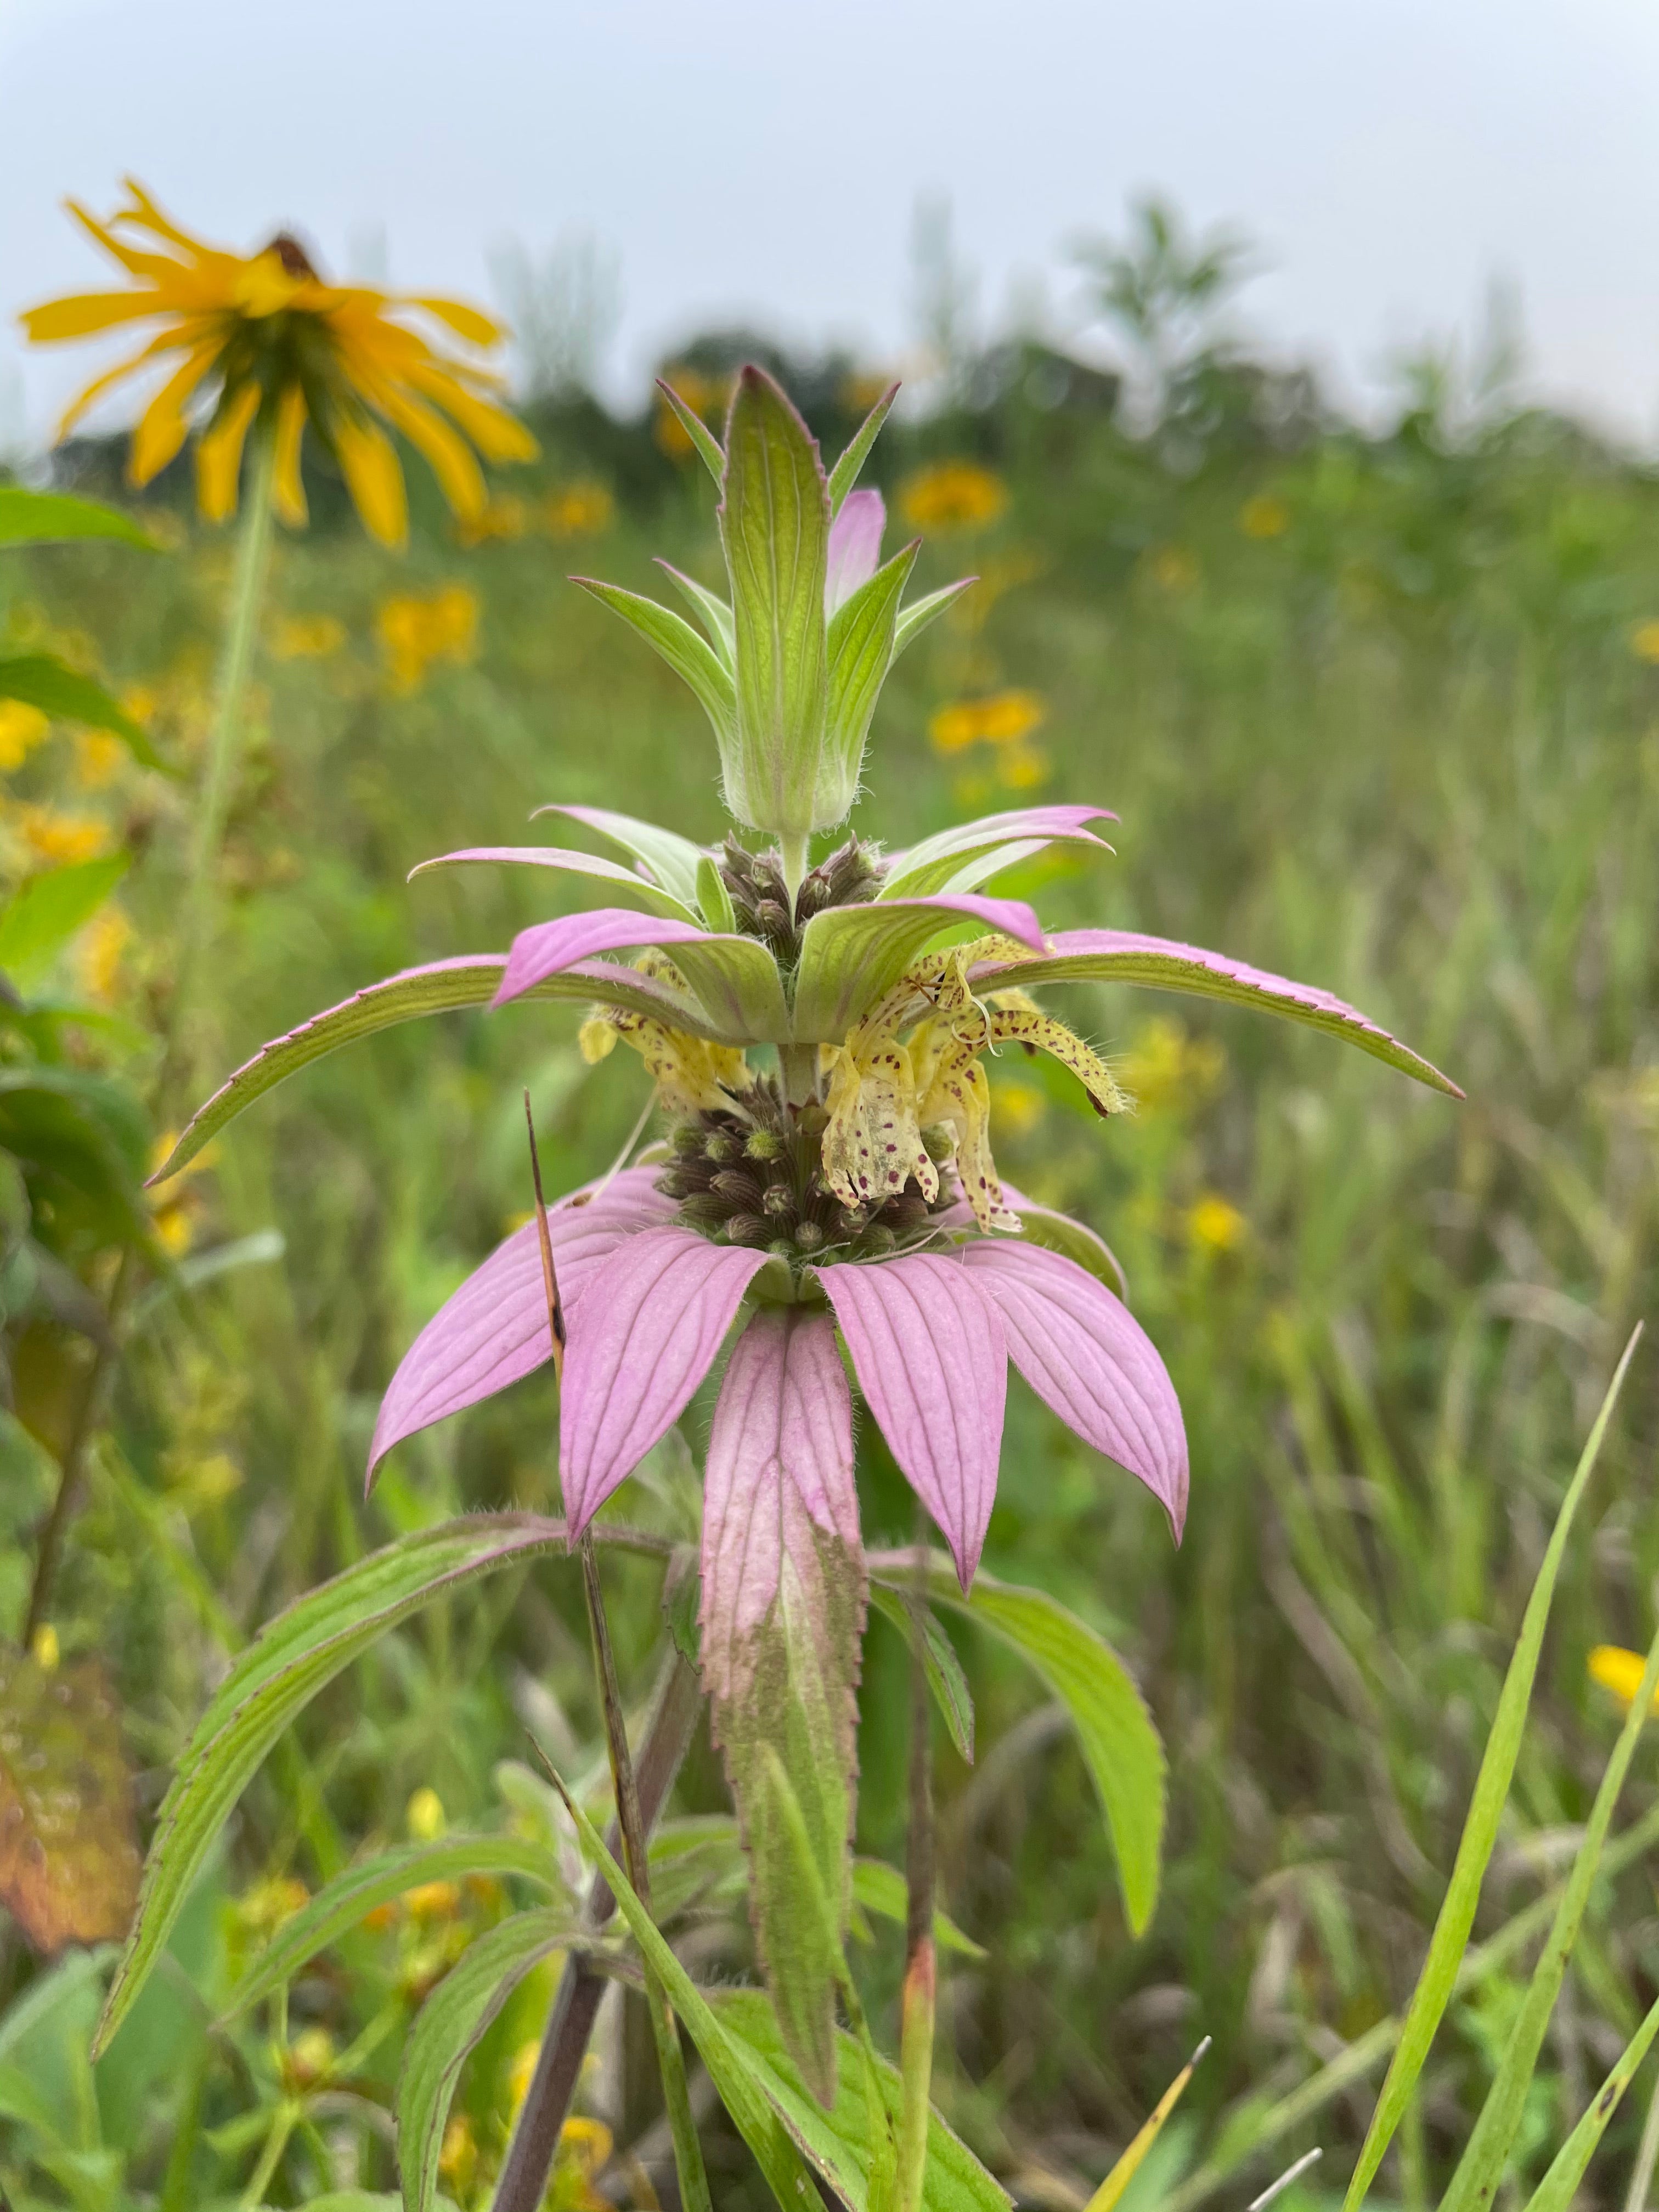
<point>416,628</point>
<point>579,510</point>
<point>283,349</point>
<point>953,496</point>
<point>1619,1671</point>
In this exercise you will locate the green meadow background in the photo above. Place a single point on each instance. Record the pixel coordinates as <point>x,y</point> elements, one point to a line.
<point>1378,708</point>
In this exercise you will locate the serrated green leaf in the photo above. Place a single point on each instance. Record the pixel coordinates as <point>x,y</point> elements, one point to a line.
<point>714,612</point>
<point>1486,2153</point>
<point>443,988</point>
<point>1119,1741</point>
<point>450,2023</point>
<point>882,1889</point>
<point>774,525</point>
<point>1559,2187</point>
<point>917,617</point>
<point>752,2111</point>
<point>47,910</point>
<point>944,1669</point>
<point>50,517</point>
<point>689,655</point>
<point>69,1850</point>
<point>342,1904</point>
<point>702,438</point>
<point>68,696</point>
<point>845,474</point>
<point>1491,1788</point>
<point>271,1682</point>
<point>837,2142</point>
<point>861,648</point>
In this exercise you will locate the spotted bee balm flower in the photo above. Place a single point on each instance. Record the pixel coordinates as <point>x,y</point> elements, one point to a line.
<point>816,1033</point>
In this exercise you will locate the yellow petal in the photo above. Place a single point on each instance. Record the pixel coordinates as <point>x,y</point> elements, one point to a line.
<point>290,487</point>
<point>80,314</point>
<point>498,435</point>
<point>1619,1671</point>
<point>164,425</point>
<point>165,342</point>
<point>451,457</point>
<point>145,211</point>
<point>373,478</point>
<point>219,456</point>
<point>468,322</point>
<point>158,267</point>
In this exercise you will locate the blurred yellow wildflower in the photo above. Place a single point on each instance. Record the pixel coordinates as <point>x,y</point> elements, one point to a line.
<point>1016,1106</point>
<point>1264,515</point>
<point>580,510</point>
<point>521,2074</point>
<point>1002,718</point>
<point>1644,641</point>
<point>416,628</point>
<point>433,1900</point>
<point>704,395</point>
<point>1165,1066</point>
<point>264,1908</point>
<point>1023,768</point>
<point>953,496</point>
<point>506,517</point>
<point>1171,567</point>
<point>860,391</point>
<point>307,637</point>
<point>98,758</point>
<point>424,1816</point>
<point>458,2156</point>
<point>584,2152</point>
<point>175,1206</point>
<point>99,954</point>
<point>284,348</point>
<point>1619,1671</point>
<point>60,838</point>
<point>44,1649</point>
<point>1215,1224</point>
<point>21,728</point>
<point>309,2059</point>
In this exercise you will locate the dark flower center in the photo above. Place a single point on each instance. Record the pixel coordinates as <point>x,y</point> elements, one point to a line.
<point>756,1178</point>
<point>296,261</point>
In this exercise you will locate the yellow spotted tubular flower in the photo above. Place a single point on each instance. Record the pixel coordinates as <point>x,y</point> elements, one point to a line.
<point>269,343</point>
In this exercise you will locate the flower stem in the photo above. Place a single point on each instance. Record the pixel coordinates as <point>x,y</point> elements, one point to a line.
<point>87,1413</point>
<point>670,2059</point>
<point>213,803</point>
<point>793,851</point>
<point>916,2004</point>
<point>535,2138</point>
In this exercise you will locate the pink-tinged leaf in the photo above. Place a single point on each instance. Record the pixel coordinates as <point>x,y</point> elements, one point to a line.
<point>556,858</point>
<point>1086,1356</point>
<point>639,1344</point>
<point>854,547</point>
<point>783,1605</point>
<point>672,860</point>
<point>931,1355</point>
<point>440,987</point>
<point>851,955</point>
<point>959,859</point>
<point>1055,1231</point>
<point>1121,956</point>
<point>735,978</point>
<point>494,1331</point>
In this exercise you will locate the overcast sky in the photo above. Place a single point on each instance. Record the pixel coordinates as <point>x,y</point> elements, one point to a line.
<point>762,158</point>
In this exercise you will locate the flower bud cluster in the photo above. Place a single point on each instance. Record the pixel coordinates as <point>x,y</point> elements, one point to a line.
<point>756,1178</point>
<point>850,876</point>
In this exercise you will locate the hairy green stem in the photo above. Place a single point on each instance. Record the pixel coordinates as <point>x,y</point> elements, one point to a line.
<point>212,801</point>
<point>670,2059</point>
<point>918,2000</point>
<point>794,854</point>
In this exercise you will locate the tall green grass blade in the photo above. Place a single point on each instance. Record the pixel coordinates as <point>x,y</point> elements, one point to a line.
<point>450,2023</point>
<point>294,1657</point>
<point>751,2112</point>
<point>1555,2191</point>
<point>342,1904</point>
<point>1486,2153</point>
<point>1474,1849</point>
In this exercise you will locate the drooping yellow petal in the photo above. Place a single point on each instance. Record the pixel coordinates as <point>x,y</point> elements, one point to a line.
<point>458,475</point>
<point>469,323</point>
<point>81,314</point>
<point>1041,1032</point>
<point>164,425</point>
<point>159,268</point>
<point>163,342</point>
<point>959,1097</point>
<point>289,483</point>
<point>498,435</point>
<point>219,455</point>
<point>144,210</point>
<point>373,478</point>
